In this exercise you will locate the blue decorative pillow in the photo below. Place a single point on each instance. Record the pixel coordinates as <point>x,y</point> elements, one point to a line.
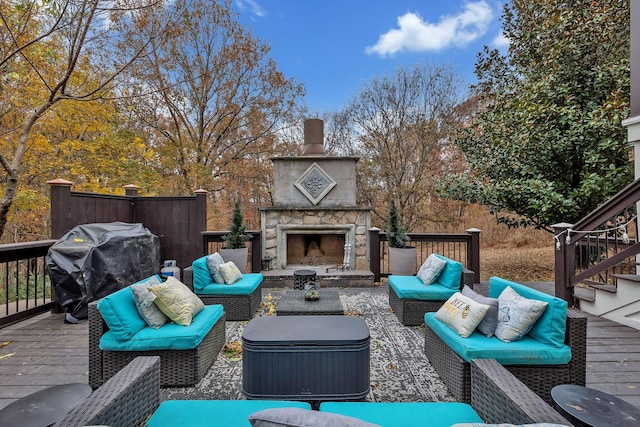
<point>516,315</point>
<point>430,269</point>
<point>213,264</point>
<point>144,300</point>
<point>488,325</point>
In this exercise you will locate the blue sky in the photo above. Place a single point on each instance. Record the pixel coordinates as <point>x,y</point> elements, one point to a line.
<point>334,46</point>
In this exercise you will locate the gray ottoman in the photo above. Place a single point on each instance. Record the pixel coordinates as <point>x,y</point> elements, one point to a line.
<point>306,358</point>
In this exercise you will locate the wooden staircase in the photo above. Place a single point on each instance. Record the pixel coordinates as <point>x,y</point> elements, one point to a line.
<point>620,303</point>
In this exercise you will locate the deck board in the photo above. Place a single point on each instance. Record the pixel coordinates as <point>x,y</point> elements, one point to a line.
<point>44,351</point>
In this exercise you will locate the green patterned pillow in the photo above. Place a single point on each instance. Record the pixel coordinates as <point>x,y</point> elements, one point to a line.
<point>177,301</point>
<point>230,272</point>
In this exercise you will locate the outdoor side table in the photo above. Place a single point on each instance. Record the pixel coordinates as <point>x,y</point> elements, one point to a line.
<point>302,277</point>
<point>309,358</point>
<point>44,407</point>
<point>293,303</point>
<point>588,407</point>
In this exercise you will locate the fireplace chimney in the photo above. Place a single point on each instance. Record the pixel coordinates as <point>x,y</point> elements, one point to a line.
<point>313,137</point>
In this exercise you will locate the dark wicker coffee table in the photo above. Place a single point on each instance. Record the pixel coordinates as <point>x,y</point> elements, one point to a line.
<point>292,303</point>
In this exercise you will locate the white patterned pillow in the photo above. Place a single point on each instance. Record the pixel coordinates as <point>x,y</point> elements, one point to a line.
<point>177,301</point>
<point>430,269</point>
<point>462,314</point>
<point>516,315</point>
<point>230,272</point>
<point>213,264</point>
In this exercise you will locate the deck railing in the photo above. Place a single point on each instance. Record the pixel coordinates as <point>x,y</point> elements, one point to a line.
<point>25,289</point>
<point>464,248</point>
<point>599,246</point>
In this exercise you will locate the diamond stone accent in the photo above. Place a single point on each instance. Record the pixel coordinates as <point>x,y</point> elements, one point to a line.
<point>315,183</point>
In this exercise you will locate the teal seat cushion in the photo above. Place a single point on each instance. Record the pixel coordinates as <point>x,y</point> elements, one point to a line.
<point>402,414</point>
<point>410,287</point>
<point>171,336</point>
<point>245,286</point>
<point>451,275</point>
<point>551,326</point>
<point>525,351</point>
<point>121,315</point>
<point>201,275</point>
<point>211,413</point>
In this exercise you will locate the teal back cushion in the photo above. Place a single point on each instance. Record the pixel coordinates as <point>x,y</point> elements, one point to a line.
<point>550,328</point>
<point>120,314</point>
<point>403,414</point>
<point>207,413</point>
<point>451,275</point>
<point>201,275</point>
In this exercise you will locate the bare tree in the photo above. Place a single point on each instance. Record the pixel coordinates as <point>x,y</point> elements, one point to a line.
<point>400,125</point>
<point>218,100</point>
<point>49,48</point>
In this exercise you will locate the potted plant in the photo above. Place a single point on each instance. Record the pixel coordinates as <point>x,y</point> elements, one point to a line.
<point>235,241</point>
<point>402,257</point>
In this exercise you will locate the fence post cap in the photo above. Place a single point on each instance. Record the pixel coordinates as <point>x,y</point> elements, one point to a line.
<point>201,191</point>
<point>374,229</point>
<point>131,186</point>
<point>59,182</point>
<point>473,230</point>
<point>562,225</point>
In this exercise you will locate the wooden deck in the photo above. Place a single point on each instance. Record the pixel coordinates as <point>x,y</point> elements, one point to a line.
<point>44,351</point>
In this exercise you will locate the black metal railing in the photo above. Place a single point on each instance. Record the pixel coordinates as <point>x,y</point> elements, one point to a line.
<point>462,247</point>
<point>25,289</point>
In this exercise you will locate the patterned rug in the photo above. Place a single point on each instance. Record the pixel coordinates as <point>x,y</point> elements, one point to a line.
<point>400,372</point>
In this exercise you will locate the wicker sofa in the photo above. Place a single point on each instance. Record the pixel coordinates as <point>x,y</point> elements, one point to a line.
<point>410,299</point>
<point>126,399</point>
<point>497,397</point>
<point>237,306</point>
<point>180,366</point>
<point>455,370</point>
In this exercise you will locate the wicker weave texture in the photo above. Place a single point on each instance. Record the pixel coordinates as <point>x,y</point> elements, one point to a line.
<point>410,312</point>
<point>127,399</point>
<point>178,367</point>
<point>456,373</point>
<point>236,307</point>
<point>499,397</point>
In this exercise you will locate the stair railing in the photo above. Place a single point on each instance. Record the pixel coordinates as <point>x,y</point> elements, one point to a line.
<point>600,245</point>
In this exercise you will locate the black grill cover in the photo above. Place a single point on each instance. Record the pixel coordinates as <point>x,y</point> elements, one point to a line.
<point>94,260</point>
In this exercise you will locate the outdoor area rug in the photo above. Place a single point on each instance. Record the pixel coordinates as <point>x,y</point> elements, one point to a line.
<point>400,372</point>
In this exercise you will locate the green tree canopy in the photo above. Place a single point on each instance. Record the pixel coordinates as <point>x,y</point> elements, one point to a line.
<point>548,145</point>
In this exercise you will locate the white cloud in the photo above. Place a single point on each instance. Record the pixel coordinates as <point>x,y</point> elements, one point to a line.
<point>500,41</point>
<point>251,6</point>
<point>416,35</point>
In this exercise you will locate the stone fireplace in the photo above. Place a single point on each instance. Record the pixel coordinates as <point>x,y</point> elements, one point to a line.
<point>315,220</point>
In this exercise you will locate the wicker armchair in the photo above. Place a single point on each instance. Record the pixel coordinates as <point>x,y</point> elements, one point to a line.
<point>127,399</point>
<point>236,307</point>
<point>456,372</point>
<point>178,367</point>
<point>410,312</point>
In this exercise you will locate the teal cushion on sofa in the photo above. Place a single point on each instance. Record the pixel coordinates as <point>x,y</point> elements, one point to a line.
<point>245,286</point>
<point>171,336</point>
<point>451,275</point>
<point>209,413</point>
<point>526,351</point>
<point>402,414</point>
<point>550,328</point>
<point>121,315</point>
<point>410,287</point>
<point>201,275</point>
